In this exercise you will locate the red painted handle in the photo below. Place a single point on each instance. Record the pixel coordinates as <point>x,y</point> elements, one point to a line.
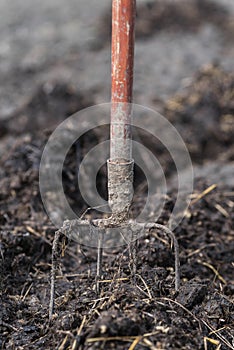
<point>123,20</point>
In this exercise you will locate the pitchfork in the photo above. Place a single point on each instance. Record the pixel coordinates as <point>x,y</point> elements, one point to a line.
<point>120,165</point>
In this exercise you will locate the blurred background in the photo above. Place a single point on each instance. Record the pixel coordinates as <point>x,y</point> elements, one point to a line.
<point>49,41</point>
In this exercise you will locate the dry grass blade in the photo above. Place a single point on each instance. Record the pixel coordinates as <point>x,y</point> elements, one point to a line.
<point>146,287</point>
<point>134,344</point>
<point>222,210</point>
<point>135,340</point>
<point>212,341</point>
<point>214,270</point>
<point>98,339</point>
<point>203,194</point>
<point>63,344</point>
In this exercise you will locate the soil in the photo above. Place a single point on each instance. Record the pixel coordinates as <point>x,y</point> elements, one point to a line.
<point>43,89</point>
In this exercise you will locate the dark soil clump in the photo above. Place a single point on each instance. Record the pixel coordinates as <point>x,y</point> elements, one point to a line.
<point>204,115</point>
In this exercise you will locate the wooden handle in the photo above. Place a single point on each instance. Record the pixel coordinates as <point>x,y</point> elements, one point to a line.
<point>123,19</point>
<point>123,37</point>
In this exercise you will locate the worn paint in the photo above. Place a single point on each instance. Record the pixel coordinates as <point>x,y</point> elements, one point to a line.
<point>123,19</point>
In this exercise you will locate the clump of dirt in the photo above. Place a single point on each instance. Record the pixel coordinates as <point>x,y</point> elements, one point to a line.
<point>155,16</point>
<point>204,115</point>
<point>48,106</point>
